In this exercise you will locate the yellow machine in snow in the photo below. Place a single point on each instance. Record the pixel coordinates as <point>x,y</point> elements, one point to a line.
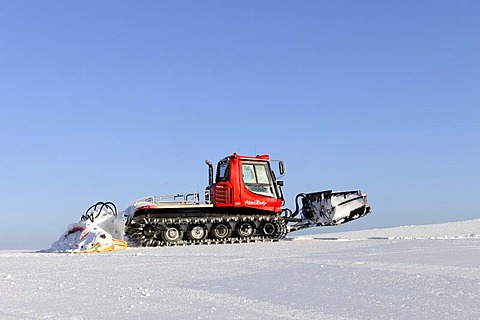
<point>100,229</point>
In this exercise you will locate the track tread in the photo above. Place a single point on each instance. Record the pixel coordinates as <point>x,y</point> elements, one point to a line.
<point>136,237</point>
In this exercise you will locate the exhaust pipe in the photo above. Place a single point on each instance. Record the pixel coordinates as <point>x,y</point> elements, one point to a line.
<point>210,172</point>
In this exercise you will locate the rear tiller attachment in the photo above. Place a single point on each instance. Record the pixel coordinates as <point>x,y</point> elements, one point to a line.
<point>327,208</point>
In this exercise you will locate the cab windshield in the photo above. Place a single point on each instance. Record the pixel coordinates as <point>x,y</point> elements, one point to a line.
<point>257,179</point>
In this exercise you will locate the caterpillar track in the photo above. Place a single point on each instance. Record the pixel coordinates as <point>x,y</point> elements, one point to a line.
<point>158,232</point>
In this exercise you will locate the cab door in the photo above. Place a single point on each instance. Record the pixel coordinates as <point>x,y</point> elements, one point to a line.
<point>258,188</point>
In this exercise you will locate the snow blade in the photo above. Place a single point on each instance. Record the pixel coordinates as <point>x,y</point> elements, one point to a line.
<point>327,208</point>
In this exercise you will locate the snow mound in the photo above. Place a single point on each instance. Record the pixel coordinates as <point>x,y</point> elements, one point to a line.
<point>451,230</point>
<point>5,276</point>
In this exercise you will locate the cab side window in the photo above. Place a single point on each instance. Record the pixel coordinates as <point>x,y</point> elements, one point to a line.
<point>223,172</point>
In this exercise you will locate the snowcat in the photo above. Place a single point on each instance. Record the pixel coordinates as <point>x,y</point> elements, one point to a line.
<point>243,202</point>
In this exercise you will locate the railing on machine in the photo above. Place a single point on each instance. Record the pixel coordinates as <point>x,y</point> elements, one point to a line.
<point>188,198</point>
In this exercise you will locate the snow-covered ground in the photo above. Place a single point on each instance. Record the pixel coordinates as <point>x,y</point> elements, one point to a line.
<point>414,272</point>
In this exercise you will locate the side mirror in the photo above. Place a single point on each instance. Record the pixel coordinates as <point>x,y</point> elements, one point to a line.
<point>281,168</point>
<point>280,183</point>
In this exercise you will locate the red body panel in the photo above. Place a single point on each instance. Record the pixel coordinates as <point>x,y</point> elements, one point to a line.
<point>234,193</point>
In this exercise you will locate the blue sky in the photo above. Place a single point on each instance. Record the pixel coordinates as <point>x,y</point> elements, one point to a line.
<point>115,100</point>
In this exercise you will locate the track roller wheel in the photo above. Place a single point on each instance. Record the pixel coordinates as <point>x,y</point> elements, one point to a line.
<point>172,233</point>
<point>149,231</point>
<point>221,231</point>
<point>268,229</point>
<point>144,233</point>
<point>245,229</point>
<point>197,232</point>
